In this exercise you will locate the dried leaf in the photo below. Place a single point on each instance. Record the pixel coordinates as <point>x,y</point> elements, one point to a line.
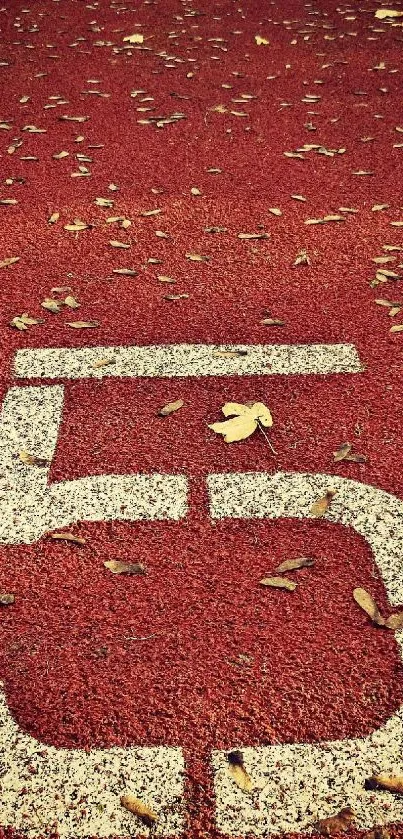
<point>261,41</point>
<point>83,324</point>
<point>320,507</point>
<point>379,833</point>
<point>377,207</point>
<point>336,824</point>
<point>385,13</point>
<point>342,452</point>
<point>397,328</point>
<point>272,322</point>
<point>142,811</point>
<point>103,362</point>
<point>68,537</point>
<point>302,258</point>
<point>118,567</point>
<point>278,582</point>
<point>238,773</point>
<point>391,783</point>
<point>10,260</point>
<point>244,422</point>
<point>126,272</point>
<point>229,353</point>
<point>164,279</point>
<point>368,605</point>
<point>176,296</point>
<point>51,305</point>
<point>170,408</point>
<point>115,244</point>
<point>53,218</point>
<point>32,460</point>
<point>6,599</point>
<point>71,302</point>
<point>275,211</point>
<point>294,564</point>
<point>22,322</point>
<point>249,235</point>
<point>76,227</point>
<point>395,621</point>
<point>356,458</point>
<point>136,38</point>
<point>197,257</point>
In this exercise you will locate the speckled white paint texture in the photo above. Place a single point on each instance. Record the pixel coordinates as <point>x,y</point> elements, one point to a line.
<point>187,360</point>
<point>299,783</point>
<point>31,507</point>
<point>77,793</point>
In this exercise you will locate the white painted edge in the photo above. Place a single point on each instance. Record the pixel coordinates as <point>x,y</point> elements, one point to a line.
<point>184,360</point>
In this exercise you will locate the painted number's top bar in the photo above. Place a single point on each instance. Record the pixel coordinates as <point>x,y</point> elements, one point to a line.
<point>186,360</point>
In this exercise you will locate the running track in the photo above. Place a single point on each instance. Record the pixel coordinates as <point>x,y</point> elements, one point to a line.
<point>115,684</point>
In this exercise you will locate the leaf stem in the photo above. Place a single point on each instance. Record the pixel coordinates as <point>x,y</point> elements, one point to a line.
<point>265,436</point>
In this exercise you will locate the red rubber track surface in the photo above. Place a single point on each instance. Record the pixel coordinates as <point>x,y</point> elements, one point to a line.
<point>230,663</point>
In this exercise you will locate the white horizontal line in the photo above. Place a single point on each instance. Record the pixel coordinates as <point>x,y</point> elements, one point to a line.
<point>187,360</point>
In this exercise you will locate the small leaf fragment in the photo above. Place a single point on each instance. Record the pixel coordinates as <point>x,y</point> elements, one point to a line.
<point>32,460</point>
<point>51,305</point>
<point>83,324</point>
<point>115,244</point>
<point>142,811</point>
<point>272,322</point>
<point>197,257</point>
<point>103,362</point>
<point>10,260</point>
<point>397,328</point>
<point>336,824</point>
<point>294,564</point>
<point>136,38</point>
<point>170,408</point>
<point>68,537</point>
<point>71,302</point>
<point>395,621</point>
<point>260,41</point>
<point>367,603</point>
<point>320,507</point>
<point>342,452</point>
<point>6,599</point>
<point>53,218</point>
<point>119,567</point>
<point>391,783</point>
<point>238,773</point>
<point>278,582</point>
<point>275,211</point>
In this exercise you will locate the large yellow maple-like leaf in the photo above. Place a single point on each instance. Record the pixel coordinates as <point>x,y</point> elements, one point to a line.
<point>244,420</point>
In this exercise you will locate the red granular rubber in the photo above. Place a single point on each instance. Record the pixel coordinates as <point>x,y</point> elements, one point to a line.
<point>228,663</point>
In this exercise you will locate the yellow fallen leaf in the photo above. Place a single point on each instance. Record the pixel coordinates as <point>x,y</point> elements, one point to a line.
<point>261,41</point>
<point>68,537</point>
<point>10,260</point>
<point>71,302</point>
<point>6,599</point>
<point>384,13</point>
<point>103,362</point>
<point>275,211</point>
<point>53,218</point>
<point>51,305</point>
<point>115,244</point>
<point>83,324</point>
<point>135,806</point>
<point>22,322</point>
<point>118,567</point>
<point>397,328</point>
<point>368,605</point>
<point>245,420</point>
<point>32,460</point>
<point>238,773</point>
<point>278,582</point>
<point>295,564</point>
<point>320,507</point>
<point>136,38</point>
<point>170,408</point>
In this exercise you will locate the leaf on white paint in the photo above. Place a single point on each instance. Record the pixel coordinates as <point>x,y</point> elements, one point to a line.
<point>334,825</point>
<point>32,460</point>
<point>238,773</point>
<point>383,781</point>
<point>139,809</point>
<point>321,506</point>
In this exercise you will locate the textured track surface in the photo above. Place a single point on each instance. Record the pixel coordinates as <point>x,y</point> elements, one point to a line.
<point>192,129</point>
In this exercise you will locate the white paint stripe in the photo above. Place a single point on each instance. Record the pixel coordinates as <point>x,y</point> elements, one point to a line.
<point>187,360</point>
<point>302,782</point>
<point>31,507</point>
<point>77,793</point>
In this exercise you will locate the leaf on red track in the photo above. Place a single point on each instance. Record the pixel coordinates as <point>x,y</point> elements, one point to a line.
<point>115,244</point>
<point>391,783</point>
<point>260,41</point>
<point>173,297</point>
<point>83,324</point>
<point>245,420</point>
<point>6,599</point>
<point>136,38</point>
<point>247,235</point>
<point>170,408</point>
<point>321,506</point>
<point>31,459</point>
<point>197,257</point>
<point>238,773</point>
<point>142,811</point>
<point>302,258</point>
<point>379,833</point>
<point>53,218</point>
<point>342,452</point>
<point>22,322</point>
<point>51,305</point>
<point>336,824</point>
<point>71,302</point>
<point>10,260</point>
<point>126,272</point>
<point>397,328</point>
<point>272,322</point>
<point>368,605</point>
<point>294,564</point>
<point>395,621</point>
<point>275,211</point>
<point>119,567</point>
<point>68,537</point>
<point>278,582</point>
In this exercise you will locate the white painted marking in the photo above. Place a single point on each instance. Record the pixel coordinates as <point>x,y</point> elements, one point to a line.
<point>302,782</point>
<point>30,507</point>
<point>77,793</point>
<point>187,360</point>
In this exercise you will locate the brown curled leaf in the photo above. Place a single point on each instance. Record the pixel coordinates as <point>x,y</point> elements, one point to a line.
<point>320,507</point>
<point>237,771</point>
<point>278,582</point>
<point>119,567</point>
<point>294,564</point>
<point>142,811</point>
<point>170,408</point>
<point>367,603</point>
<point>333,825</point>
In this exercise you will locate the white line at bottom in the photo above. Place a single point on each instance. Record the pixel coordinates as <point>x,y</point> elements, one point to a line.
<point>187,360</point>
